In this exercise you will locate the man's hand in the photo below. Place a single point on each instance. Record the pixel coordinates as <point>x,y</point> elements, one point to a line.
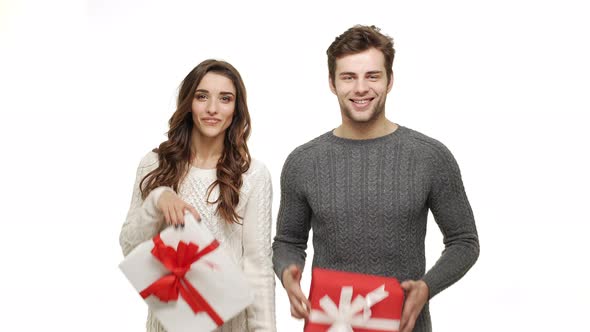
<point>300,306</point>
<point>417,293</point>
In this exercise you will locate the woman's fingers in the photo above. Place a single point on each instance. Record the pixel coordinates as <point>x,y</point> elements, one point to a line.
<point>194,212</point>
<point>167,216</point>
<point>179,214</point>
<point>173,208</point>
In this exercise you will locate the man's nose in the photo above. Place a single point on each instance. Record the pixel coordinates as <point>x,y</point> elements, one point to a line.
<point>361,87</point>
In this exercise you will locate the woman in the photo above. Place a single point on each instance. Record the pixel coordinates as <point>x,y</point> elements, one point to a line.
<point>205,168</point>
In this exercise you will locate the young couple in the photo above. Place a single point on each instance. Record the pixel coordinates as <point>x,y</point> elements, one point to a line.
<point>365,188</point>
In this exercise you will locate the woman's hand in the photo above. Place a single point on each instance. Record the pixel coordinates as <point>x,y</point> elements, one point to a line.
<point>173,208</point>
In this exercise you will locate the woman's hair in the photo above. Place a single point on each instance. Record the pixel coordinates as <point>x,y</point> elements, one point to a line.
<point>175,154</point>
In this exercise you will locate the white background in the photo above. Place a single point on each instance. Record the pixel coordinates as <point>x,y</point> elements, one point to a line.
<point>87,89</point>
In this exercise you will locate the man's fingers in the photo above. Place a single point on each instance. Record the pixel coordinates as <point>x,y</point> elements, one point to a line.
<point>406,285</point>
<point>298,307</point>
<point>407,322</point>
<point>295,314</point>
<point>407,308</point>
<point>303,302</point>
<point>412,306</point>
<point>299,303</point>
<point>306,304</point>
<point>402,325</point>
<point>403,321</point>
<point>296,292</point>
<point>409,326</point>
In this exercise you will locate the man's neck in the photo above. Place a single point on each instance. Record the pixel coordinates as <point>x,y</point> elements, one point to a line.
<point>367,130</point>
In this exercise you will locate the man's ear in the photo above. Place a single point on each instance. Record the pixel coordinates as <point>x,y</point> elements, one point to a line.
<point>332,86</point>
<point>390,84</point>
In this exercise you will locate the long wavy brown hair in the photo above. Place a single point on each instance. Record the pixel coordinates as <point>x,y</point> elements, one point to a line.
<point>175,154</point>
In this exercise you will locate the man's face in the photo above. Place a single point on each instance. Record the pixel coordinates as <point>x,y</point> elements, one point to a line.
<point>360,83</point>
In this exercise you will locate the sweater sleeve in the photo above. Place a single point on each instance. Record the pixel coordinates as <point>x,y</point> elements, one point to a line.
<point>293,222</point>
<point>452,212</point>
<point>257,252</point>
<point>143,219</point>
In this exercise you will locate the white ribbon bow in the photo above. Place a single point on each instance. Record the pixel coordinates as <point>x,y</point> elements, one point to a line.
<point>348,314</point>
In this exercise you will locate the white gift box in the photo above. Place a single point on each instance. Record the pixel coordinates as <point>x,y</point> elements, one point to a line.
<point>215,277</point>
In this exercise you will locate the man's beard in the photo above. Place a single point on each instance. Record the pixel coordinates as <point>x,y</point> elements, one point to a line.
<point>377,110</point>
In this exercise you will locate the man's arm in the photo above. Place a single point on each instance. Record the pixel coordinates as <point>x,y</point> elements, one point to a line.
<point>449,205</point>
<point>292,232</point>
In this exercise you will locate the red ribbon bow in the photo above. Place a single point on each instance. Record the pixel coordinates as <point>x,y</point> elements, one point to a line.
<point>178,262</point>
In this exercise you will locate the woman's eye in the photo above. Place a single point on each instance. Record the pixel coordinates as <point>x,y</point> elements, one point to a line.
<point>201,97</point>
<point>226,99</point>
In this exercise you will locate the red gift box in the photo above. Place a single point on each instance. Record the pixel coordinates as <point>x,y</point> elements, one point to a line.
<point>345,301</point>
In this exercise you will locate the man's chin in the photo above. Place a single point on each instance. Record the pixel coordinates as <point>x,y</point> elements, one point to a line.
<point>360,117</point>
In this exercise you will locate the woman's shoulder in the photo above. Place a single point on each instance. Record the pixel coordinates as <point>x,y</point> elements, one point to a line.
<point>257,168</point>
<point>150,160</point>
<point>256,179</point>
<point>257,174</point>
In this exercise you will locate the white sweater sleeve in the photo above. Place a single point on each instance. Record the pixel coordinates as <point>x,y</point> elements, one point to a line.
<point>144,220</point>
<point>257,251</point>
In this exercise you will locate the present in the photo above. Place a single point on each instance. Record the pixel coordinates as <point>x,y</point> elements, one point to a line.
<point>345,301</point>
<point>187,280</point>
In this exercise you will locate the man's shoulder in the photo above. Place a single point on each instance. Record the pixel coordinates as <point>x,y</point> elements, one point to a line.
<point>426,147</point>
<point>306,152</point>
<point>311,146</point>
<point>421,142</point>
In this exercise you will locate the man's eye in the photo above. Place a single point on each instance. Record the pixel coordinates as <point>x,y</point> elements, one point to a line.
<point>346,78</point>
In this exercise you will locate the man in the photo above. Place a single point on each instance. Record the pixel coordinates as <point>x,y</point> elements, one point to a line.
<point>365,188</point>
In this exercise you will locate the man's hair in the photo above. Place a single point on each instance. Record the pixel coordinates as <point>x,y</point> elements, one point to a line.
<point>358,39</point>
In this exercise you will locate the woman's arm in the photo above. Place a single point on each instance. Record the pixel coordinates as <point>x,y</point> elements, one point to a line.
<point>257,250</point>
<point>144,219</point>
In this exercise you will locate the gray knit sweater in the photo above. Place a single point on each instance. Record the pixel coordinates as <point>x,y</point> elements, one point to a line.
<point>367,202</point>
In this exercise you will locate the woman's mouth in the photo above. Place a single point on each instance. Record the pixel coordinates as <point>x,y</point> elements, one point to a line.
<point>211,121</point>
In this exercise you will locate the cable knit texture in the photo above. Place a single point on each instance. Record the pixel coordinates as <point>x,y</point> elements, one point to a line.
<point>367,202</point>
<point>248,244</point>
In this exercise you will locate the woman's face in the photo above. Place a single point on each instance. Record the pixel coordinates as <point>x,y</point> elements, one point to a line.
<point>213,105</point>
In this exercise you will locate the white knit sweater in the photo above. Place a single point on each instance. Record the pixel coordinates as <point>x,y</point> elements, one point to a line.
<point>249,244</point>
